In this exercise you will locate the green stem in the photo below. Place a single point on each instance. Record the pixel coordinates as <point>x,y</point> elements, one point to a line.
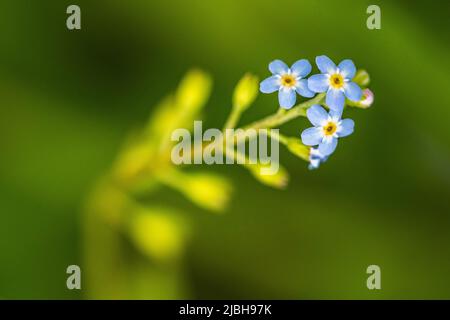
<point>282,117</point>
<point>233,118</point>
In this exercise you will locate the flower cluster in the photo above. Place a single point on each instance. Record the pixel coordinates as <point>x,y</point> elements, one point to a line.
<point>341,84</point>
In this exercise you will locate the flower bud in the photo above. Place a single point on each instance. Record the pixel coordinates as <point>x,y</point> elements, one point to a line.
<point>296,147</point>
<point>209,191</point>
<point>158,233</point>
<point>278,180</point>
<point>193,91</point>
<point>245,92</point>
<point>366,100</point>
<point>362,78</point>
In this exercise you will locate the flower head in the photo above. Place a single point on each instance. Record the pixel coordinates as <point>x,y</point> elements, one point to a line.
<point>288,81</point>
<point>336,81</point>
<point>328,127</point>
<point>316,158</point>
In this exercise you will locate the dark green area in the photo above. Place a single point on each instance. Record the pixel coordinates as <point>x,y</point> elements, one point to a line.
<point>68,98</point>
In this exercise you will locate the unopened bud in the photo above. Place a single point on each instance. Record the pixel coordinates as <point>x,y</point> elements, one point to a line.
<point>245,92</point>
<point>362,78</point>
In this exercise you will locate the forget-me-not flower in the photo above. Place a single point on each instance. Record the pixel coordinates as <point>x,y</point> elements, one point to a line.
<point>315,158</point>
<point>328,127</point>
<point>336,82</point>
<point>288,81</point>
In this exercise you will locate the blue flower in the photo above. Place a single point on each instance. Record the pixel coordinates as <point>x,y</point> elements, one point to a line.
<point>315,158</point>
<point>336,81</point>
<point>287,81</point>
<point>328,127</point>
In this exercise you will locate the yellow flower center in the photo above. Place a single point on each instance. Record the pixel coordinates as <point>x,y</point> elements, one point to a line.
<point>330,128</point>
<point>288,80</point>
<point>337,81</point>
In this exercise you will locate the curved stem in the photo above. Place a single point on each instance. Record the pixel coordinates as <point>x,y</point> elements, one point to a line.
<point>280,118</point>
<point>233,118</point>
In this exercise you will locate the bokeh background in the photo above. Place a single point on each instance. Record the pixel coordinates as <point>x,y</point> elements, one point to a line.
<point>70,98</point>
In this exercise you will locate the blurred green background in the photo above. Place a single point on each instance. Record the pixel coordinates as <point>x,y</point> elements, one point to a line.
<point>69,98</point>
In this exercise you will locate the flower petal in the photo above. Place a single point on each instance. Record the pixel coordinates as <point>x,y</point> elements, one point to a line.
<point>325,64</point>
<point>286,98</point>
<point>269,85</point>
<point>303,90</point>
<point>335,99</point>
<point>316,158</point>
<point>346,128</point>
<point>278,67</point>
<point>353,91</point>
<point>336,114</point>
<point>318,83</point>
<point>328,146</point>
<point>312,136</point>
<point>301,68</point>
<point>317,115</point>
<point>314,164</point>
<point>347,68</point>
